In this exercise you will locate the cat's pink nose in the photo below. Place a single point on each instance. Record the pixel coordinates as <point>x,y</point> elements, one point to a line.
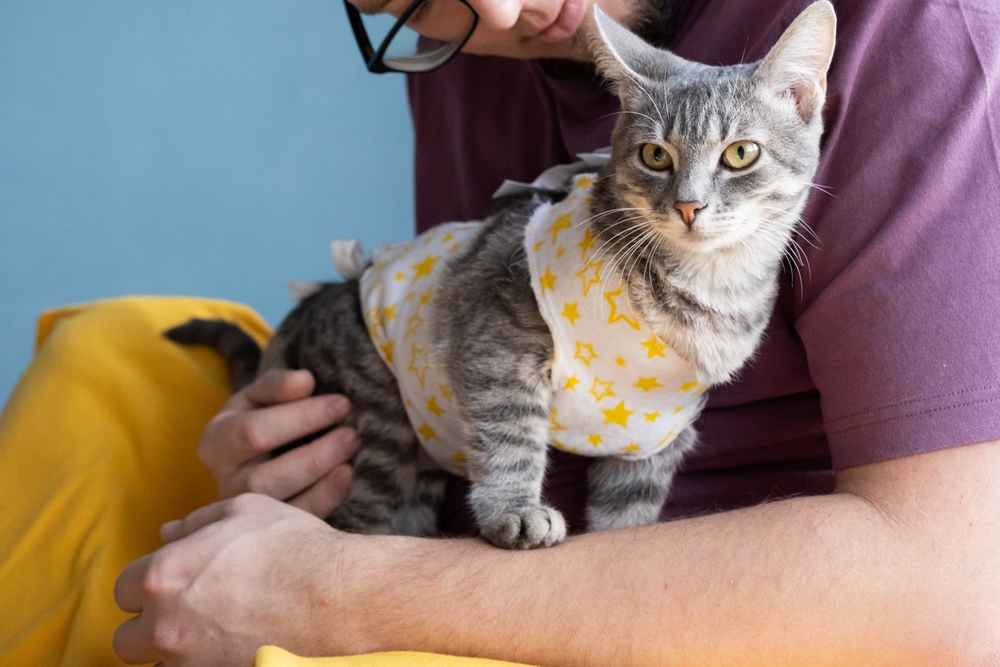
<point>688,210</point>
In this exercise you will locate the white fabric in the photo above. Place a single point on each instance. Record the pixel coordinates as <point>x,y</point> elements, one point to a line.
<point>618,389</point>
<point>348,257</point>
<point>397,294</point>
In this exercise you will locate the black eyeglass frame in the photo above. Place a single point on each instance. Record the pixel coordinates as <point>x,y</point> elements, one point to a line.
<point>374,58</point>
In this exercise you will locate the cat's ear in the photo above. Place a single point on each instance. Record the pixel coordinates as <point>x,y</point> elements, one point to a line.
<point>796,67</point>
<point>623,58</point>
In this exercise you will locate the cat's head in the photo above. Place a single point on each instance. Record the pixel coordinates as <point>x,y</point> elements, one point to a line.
<point>706,158</point>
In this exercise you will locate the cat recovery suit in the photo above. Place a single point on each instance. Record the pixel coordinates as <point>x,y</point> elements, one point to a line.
<point>618,390</point>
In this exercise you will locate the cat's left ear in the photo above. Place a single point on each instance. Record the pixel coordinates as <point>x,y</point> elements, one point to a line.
<point>796,67</point>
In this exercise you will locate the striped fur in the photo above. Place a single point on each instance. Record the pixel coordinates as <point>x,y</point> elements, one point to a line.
<point>706,287</point>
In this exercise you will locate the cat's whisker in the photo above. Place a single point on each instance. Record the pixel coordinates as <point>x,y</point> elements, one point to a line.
<point>816,186</point>
<point>616,237</point>
<point>626,111</point>
<point>644,234</point>
<point>801,224</point>
<point>604,213</point>
<point>656,107</point>
<point>613,262</point>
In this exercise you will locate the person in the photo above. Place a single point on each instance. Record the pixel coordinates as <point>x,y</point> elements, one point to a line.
<point>840,507</point>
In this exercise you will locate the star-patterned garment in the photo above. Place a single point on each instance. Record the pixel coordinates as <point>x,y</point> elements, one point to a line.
<point>618,389</point>
<point>397,294</point>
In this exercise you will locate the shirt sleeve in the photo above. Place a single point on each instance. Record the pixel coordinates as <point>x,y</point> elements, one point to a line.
<point>899,312</point>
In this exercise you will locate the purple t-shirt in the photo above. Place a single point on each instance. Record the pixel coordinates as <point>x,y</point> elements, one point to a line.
<point>887,342</point>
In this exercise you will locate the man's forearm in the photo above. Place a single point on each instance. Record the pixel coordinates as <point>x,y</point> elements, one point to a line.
<point>888,571</point>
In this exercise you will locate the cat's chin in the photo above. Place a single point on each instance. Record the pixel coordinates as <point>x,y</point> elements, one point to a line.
<point>697,240</point>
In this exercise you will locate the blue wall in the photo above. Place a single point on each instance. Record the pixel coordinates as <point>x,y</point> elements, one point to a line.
<point>178,147</point>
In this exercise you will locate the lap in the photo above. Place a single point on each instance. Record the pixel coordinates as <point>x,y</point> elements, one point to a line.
<point>97,449</point>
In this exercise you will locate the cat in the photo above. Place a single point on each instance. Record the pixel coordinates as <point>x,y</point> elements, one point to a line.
<point>681,237</point>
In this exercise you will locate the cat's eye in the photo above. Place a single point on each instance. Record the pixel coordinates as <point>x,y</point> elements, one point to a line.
<point>656,157</point>
<point>740,155</point>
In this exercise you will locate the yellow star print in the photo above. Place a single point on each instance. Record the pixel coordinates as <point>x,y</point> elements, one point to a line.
<point>570,312</point>
<point>586,244</point>
<point>585,352</point>
<point>424,268</point>
<point>601,390</point>
<point>571,382</point>
<point>459,457</point>
<point>561,223</point>
<point>688,386</point>
<point>419,369</point>
<point>426,432</point>
<point>426,297</point>
<point>655,347</point>
<point>389,312</point>
<point>620,360</point>
<point>399,275</point>
<point>432,405</point>
<point>591,279</point>
<point>584,182</point>
<point>595,439</point>
<point>617,415</point>
<point>647,383</point>
<point>615,316</point>
<point>652,416</point>
<point>556,426</point>
<point>447,237</point>
<point>387,350</point>
<point>413,325</point>
<point>547,280</point>
<point>632,447</point>
<point>445,391</point>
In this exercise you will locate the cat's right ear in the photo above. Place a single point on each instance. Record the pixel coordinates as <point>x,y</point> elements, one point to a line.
<point>624,59</point>
<point>795,69</point>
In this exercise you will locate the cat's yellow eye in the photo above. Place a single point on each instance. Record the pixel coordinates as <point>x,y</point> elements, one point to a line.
<point>656,157</point>
<point>740,155</point>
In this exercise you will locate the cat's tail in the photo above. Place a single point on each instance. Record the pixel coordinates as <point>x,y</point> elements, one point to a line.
<point>240,351</point>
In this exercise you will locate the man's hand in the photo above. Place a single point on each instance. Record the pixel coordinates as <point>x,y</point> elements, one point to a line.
<point>275,409</point>
<point>233,576</point>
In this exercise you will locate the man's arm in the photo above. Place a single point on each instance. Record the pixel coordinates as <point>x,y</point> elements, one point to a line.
<point>894,568</point>
<point>897,567</point>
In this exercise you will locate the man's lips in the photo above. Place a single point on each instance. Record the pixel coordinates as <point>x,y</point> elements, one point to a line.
<point>566,23</point>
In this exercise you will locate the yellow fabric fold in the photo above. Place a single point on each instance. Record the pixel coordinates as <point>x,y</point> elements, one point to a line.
<point>271,656</point>
<point>98,448</point>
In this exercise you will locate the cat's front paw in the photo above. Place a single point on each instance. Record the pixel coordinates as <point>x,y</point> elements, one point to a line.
<point>526,528</point>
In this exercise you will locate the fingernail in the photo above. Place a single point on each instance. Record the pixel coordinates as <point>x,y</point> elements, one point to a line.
<point>347,439</point>
<point>339,405</point>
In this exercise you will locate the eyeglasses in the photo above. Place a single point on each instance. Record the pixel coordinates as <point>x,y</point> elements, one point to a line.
<point>449,23</point>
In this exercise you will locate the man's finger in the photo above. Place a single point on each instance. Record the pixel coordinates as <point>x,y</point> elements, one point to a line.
<point>172,531</point>
<point>132,642</point>
<point>263,430</point>
<point>327,494</point>
<point>291,473</point>
<point>279,385</point>
<point>128,585</point>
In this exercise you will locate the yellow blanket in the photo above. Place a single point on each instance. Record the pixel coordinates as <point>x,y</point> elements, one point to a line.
<point>97,449</point>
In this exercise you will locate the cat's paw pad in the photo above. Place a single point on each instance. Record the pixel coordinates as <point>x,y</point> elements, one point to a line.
<point>527,528</point>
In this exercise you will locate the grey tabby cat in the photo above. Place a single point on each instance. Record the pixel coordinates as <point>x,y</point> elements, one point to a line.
<point>696,209</point>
